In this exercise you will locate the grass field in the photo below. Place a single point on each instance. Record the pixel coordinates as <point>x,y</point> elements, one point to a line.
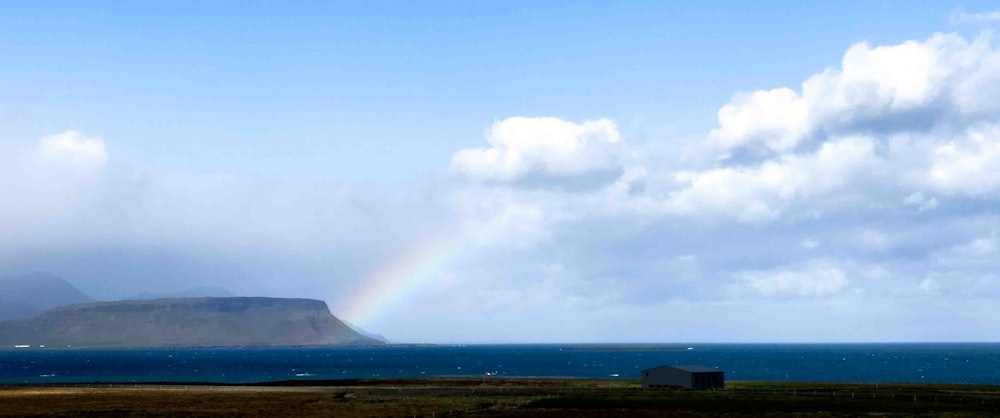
<point>498,397</point>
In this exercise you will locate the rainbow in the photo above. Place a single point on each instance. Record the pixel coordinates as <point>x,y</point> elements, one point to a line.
<point>398,280</point>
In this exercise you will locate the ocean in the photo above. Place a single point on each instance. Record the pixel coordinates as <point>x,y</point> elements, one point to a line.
<point>974,363</point>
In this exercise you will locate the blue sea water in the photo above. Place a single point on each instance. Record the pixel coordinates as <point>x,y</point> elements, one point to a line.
<point>932,363</point>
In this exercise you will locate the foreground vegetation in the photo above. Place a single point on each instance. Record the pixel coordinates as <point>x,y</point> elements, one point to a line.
<point>497,397</point>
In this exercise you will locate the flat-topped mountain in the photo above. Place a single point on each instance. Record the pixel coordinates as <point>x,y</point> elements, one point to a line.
<point>186,322</point>
<point>197,292</point>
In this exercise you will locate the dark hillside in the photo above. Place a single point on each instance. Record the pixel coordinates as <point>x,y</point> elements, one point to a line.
<point>31,294</point>
<point>186,322</point>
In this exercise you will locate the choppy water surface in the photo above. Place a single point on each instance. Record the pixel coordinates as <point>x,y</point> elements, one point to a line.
<point>938,363</point>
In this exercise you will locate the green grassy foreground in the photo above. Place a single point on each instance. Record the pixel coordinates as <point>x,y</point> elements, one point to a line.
<point>499,397</point>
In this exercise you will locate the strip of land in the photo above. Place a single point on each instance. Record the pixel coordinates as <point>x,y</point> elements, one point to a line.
<point>626,347</point>
<point>531,397</point>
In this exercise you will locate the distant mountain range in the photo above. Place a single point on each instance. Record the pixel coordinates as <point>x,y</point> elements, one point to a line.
<point>43,309</point>
<point>31,294</point>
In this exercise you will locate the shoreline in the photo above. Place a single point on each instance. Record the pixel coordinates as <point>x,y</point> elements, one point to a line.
<point>467,379</point>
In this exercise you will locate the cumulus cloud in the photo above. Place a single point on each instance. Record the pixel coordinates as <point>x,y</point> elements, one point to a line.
<point>882,88</point>
<point>919,115</point>
<point>870,177</point>
<point>521,147</point>
<point>776,118</point>
<point>761,193</point>
<point>869,183</point>
<point>969,164</point>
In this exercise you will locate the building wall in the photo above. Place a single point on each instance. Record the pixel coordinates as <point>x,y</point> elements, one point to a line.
<point>713,380</point>
<point>666,377</point>
<point>671,377</point>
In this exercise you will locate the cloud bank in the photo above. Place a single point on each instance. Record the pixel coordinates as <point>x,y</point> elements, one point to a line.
<point>872,183</point>
<point>864,199</point>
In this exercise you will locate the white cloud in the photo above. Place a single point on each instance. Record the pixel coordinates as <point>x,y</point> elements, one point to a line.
<point>875,240</point>
<point>975,251</point>
<point>929,285</point>
<point>522,147</point>
<point>969,164</point>
<point>917,115</point>
<point>42,185</point>
<point>762,193</point>
<point>809,244</point>
<point>813,279</point>
<point>778,118</point>
<point>871,174</point>
<point>960,16</point>
<point>72,147</point>
<point>921,202</point>
<point>882,87</point>
<point>68,206</point>
<point>503,218</point>
<point>884,78</point>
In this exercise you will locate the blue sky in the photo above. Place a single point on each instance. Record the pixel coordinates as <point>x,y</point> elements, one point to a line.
<point>577,153</point>
<point>270,90</point>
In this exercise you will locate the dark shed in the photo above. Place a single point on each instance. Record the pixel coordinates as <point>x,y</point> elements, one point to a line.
<point>687,377</point>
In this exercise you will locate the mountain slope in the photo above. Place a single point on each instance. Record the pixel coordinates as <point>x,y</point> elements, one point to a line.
<point>190,322</point>
<point>31,294</point>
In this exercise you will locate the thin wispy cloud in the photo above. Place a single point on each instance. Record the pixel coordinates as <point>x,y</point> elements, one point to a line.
<point>961,16</point>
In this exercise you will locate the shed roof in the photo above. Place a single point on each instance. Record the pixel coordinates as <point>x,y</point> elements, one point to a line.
<point>690,369</point>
